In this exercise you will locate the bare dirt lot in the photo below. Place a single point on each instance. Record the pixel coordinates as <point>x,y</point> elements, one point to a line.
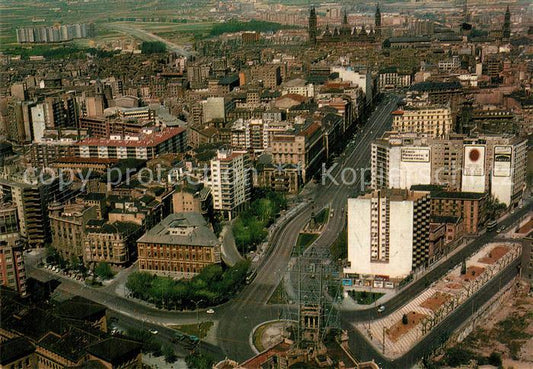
<point>436,301</point>
<point>399,329</point>
<point>509,331</point>
<point>494,255</point>
<point>472,272</point>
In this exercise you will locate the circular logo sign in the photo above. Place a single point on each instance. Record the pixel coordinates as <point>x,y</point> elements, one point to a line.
<point>474,155</point>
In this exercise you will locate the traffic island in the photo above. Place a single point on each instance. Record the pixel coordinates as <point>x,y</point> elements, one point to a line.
<point>269,334</point>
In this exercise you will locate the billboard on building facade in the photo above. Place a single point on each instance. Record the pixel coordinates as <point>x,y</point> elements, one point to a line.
<point>474,160</point>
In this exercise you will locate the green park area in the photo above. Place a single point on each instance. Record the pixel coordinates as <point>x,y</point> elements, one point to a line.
<point>198,330</point>
<point>365,297</point>
<point>250,227</point>
<point>304,241</point>
<point>214,285</point>
<point>322,216</point>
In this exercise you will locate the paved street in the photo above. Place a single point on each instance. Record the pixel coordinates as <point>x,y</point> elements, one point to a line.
<point>250,308</point>
<point>148,36</point>
<point>237,318</point>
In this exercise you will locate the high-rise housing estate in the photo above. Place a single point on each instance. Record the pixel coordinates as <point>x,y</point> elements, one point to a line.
<point>59,33</point>
<point>388,236</point>
<point>230,182</point>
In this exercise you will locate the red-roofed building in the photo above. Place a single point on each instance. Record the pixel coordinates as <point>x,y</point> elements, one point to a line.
<point>146,145</point>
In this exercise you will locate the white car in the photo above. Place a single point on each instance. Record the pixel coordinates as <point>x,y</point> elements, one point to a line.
<point>210,311</point>
<point>381,308</point>
<point>154,331</point>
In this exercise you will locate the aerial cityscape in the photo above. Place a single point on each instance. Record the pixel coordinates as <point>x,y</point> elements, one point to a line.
<point>266,184</point>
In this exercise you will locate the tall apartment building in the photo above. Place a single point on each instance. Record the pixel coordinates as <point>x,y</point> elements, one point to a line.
<point>496,163</point>
<point>447,161</point>
<point>31,200</point>
<point>231,182</point>
<point>303,148</point>
<point>180,246</point>
<point>12,270</point>
<point>9,223</point>
<point>487,163</point>
<point>68,224</point>
<point>255,135</point>
<point>113,243</point>
<point>400,162</point>
<point>435,121</point>
<point>388,236</point>
<point>269,75</point>
<point>469,206</point>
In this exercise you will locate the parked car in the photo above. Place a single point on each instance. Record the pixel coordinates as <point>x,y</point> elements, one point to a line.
<point>210,311</point>
<point>153,331</point>
<point>381,308</point>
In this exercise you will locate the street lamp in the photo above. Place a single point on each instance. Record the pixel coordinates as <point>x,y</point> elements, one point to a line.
<point>196,303</point>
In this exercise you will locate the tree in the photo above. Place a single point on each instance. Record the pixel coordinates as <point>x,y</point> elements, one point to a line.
<point>463,267</point>
<point>457,356</point>
<point>199,361</point>
<point>494,208</point>
<point>52,256</point>
<point>103,270</point>
<point>168,353</point>
<point>139,284</point>
<point>495,359</point>
<point>405,320</point>
<point>146,339</point>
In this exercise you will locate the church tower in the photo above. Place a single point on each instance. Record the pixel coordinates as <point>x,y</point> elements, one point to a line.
<point>506,32</point>
<point>345,28</point>
<point>312,26</point>
<point>377,22</point>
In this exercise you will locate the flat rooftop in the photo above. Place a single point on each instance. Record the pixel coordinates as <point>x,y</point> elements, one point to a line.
<point>189,229</point>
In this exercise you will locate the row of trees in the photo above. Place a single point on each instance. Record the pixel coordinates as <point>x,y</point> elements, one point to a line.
<point>253,25</point>
<point>250,226</point>
<point>101,269</point>
<point>214,285</point>
<point>153,47</point>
